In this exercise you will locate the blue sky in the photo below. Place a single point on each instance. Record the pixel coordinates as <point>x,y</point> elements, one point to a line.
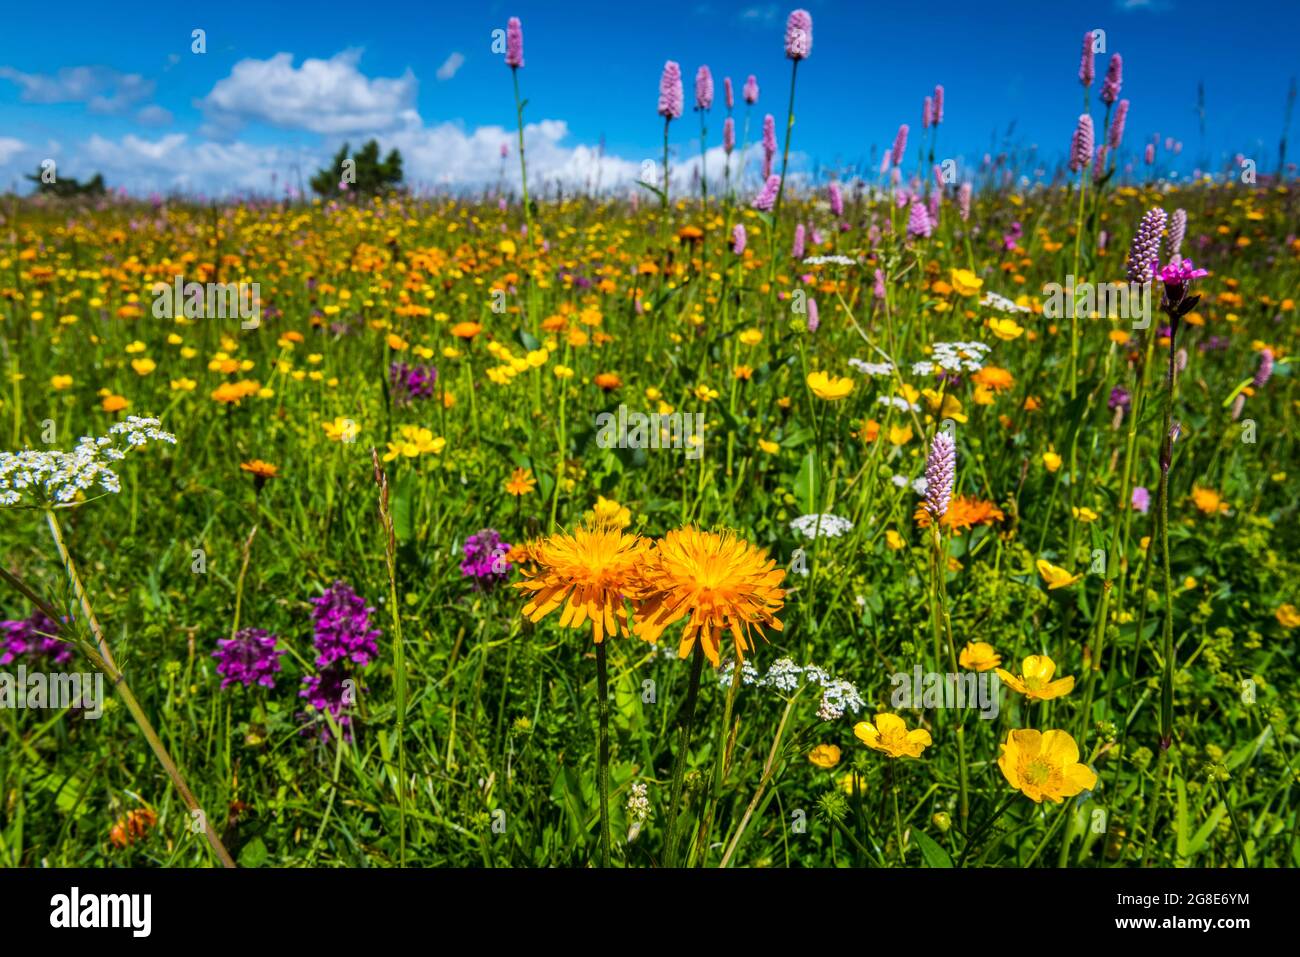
<point>115,87</point>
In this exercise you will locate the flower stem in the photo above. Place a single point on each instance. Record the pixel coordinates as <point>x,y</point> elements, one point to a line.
<point>602,758</point>
<point>679,763</point>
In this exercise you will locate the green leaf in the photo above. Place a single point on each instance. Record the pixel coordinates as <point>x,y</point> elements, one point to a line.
<point>527,340</point>
<point>403,507</point>
<point>935,856</point>
<point>804,484</point>
<point>254,854</point>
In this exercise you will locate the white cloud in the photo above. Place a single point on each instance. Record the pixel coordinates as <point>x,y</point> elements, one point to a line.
<point>102,89</point>
<point>154,115</point>
<point>324,96</point>
<point>9,148</point>
<point>450,66</point>
<point>759,15</point>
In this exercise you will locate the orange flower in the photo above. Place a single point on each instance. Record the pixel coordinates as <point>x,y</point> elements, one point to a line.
<point>114,403</point>
<point>609,381</point>
<point>260,469</point>
<point>466,330</point>
<point>963,512</point>
<point>521,482</point>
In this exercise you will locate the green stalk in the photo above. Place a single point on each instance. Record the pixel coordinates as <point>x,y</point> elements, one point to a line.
<point>602,757</point>
<point>679,762</point>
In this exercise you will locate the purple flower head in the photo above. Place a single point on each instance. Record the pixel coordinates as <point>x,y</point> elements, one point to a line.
<point>341,621</point>
<point>1117,124</point>
<point>1176,277</point>
<point>1086,68</point>
<point>514,43</point>
<point>1081,146</point>
<point>918,221</point>
<point>485,559</point>
<point>769,136</point>
<point>900,145</point>
<point>34,639</point>
<point>927,113</point>
<point>797,248</point>
<point>1145,248</point>
<point>940,473</point>
<point>670,91</point>
<point>1141,498</point>
<point>409,383</point>
<point>1119,398</point>
<point>814,319</point>
<point>798,35</point>
<point>333,690</point>
<point>751,90</point>
<point>1114,80</point>
<point>738,239</point>
<point>728,94</point>
<point>703,89</point>
<point>836,199</point>
<point>1265,370</point>
<point>963,201</point>
<point>1149,154</point>
<point>728,135</point>
<point>937,115</point>
<point>249,658</point>
<point>766,198</point>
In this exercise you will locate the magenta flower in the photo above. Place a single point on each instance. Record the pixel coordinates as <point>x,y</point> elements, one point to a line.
<point>1265,370</point>
<point>797,249</point>
<point>1149,154</point>
<point>900,145</point>
<point>1117,124</point>
<point>249,658</point>
<point>798,35</point>
<point>918,221</point>
<point>728,135</point>
<point>836,199</point>
<point>670,91</point>
<point>938,104</point>
<point>769,135</point>
<point>963,201</point>
<point>703,89</point>
<point>751,90</point>
<point>485,560</point>
<point>35,639</point>
<point>727,93</point>
<point>1141,498</point>
<point>940,474</point>
<point>766,197</point>
<point>341,622</point>
<point>514,43</point>
<point>1177,276</point>
<point>738,239</point>
<point>927,113</point>
<point>1086,68</point>
<point>1114,80</point>
<point>813,319</point>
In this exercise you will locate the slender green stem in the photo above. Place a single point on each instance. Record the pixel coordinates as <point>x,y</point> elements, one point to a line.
<point>602,757</point>
<point>679,762</point>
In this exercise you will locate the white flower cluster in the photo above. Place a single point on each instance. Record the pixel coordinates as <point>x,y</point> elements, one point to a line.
<point>919,484</point>
<point>1001,303</point>
<point>898,402</point>
<point>953,357</point>
<point>57,477</point>
<point>785,676</point>
<point>824,260</point>
<point>638,804</point>
<point>821,526</point>
<point>876,369</point>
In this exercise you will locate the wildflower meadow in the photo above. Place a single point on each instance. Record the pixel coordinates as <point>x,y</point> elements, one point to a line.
<point>739,512</point>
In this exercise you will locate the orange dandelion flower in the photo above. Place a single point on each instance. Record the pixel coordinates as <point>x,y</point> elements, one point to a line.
<point>609,381</point>
<point>466,330</point>
<point>521,482</point>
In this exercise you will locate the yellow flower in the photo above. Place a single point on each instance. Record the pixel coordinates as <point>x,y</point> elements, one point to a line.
<point>1005,329</point>
<point>966,282</point>
<point>414,442</point>
<point>900,434</point>
<point>60,382</point>
<point>114,403</point>
<point>1084,515</point>
<point>979,656</point>
<point>396,342</point>
<point>1044,765</point>
<point>1055,576</point>
<point>1051,461</point>
<point>341,429</point>
<point>143,366</point>
<point>717,582</point>
<point>890,735</point>
<point>562,372</point>
<point>521,482</point>
<point>894,540</point>
<point>1287,616</point>
<point>608,512</point>
<point>1208,500</point>
<point>751,337</point>
<point>825,756</point>
<point>589,573</point>
<point>183,385</point>
<point>771,448</point>
<point>507,246</point>
<point>830,388</point>
<point>1035,679</point>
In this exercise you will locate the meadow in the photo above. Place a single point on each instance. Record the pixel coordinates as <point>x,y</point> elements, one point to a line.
<point>401,572</point>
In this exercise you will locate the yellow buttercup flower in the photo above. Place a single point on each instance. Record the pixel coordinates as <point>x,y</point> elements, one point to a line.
<point>750,337</point>
<point>900,434</point>
<point>1208,500</point>
<point>979,656</point>
<point>60,382</point>
<point>965,282</point>
<point>1056,576</point>
<point>414,441</point>
<point>717,582</point>
<point>341,429</point>
<point>143,366</point>
<point>825,756</point>
<point>1287,616</point>
<point>1045,765</point>
<point>828,387</point>
<point>893,540</point>
<point>609,512</point>
<point>890,735</point>
<point>771,448</point>
<point>1005,329</point>
<point>1051,461</point>
<point>1035,679</point>
<point>1084,514</point>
